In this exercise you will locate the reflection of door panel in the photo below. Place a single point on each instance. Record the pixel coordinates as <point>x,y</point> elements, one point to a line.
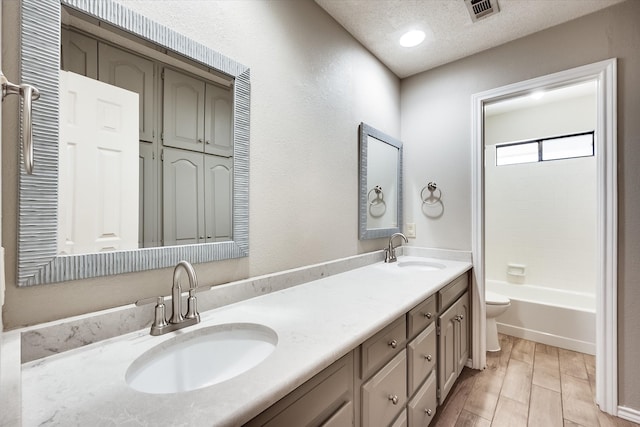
<point>217,186</point>
<point>183,111</point>
<point>131,72</point>
<point>218,121</point>
<point>79,54</point>
<point>183,197</point>
<point>99,151</point>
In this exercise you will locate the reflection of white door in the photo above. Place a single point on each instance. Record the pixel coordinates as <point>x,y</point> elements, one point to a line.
<point>98,200</point>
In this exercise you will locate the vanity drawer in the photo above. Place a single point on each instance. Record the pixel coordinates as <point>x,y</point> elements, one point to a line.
<point>343,417</point>
<point>452,291</point>
<point>382,346</point>
<point>401,421</point>
<point>385,394</point>
<point>327,397</point>
<point>421,315</point>
<point>422,408</point>
<point>421,357</point>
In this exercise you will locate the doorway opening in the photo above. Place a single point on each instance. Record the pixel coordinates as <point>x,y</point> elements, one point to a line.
<point>605,190</point>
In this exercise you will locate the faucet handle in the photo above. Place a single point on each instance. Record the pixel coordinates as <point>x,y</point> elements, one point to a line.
<point>192,306</point>
<point>159,320</point>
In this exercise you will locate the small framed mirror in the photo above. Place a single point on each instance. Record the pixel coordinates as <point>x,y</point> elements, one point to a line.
<point>380,192</point>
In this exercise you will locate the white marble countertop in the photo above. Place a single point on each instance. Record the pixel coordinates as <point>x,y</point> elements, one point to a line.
<point>317,323</point>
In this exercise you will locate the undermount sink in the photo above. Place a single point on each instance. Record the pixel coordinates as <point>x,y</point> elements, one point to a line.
<point>420,265</point>
<point>201,358</point>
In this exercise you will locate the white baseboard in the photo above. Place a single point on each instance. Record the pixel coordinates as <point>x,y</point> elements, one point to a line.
<point>629,414</point>
<point>549,339</point>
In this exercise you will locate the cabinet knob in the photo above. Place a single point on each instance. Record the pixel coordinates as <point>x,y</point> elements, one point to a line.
<point>207,142</point>
<point>428,357</point>
<point>200,140</point>
<point>428,315</point>
<point>428,412</point>
<point>393,398</point>
<point>461,316</point>
<point>208,237</point>
<point>201,237</point>
<point>393,343</point>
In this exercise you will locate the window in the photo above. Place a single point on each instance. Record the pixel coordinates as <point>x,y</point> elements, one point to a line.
<point>561,147</point>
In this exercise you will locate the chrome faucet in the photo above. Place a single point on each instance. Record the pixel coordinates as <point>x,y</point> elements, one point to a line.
<point>178,320</point>
<point>390,251</point>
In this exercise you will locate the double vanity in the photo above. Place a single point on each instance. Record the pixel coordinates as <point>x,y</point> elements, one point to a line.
<point>378,344</point>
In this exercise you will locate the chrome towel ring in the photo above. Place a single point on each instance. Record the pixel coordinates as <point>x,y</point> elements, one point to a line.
<point>379,196</point>
<point>433,197</point>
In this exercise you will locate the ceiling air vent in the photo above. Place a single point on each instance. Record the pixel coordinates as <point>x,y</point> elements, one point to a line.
<point>479,9</point>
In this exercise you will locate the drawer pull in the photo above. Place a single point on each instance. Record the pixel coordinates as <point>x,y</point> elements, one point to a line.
<point>393,398</point>
<point>428,315</point>
<point>393,343</point>
<point>428,357</point>
<point>428,412</point>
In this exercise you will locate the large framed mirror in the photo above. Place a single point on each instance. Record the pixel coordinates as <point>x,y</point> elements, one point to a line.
<point>43,256</point>
<point>380,189</point>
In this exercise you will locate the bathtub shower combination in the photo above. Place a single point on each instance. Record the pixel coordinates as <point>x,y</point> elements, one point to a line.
<point>560,318</point>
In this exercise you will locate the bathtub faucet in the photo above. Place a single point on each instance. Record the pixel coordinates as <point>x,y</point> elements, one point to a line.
<point>390,251</point>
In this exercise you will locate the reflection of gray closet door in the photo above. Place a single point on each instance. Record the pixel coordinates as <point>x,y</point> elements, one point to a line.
<point>131,72</point>
<point>79,54</point>
<point>218,122</point>
<point>148,227</point>
<point>183,115</point>
<point>183,197</point>
<point>217,204</point>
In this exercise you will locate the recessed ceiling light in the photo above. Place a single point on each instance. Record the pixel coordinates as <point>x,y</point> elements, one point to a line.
<point>412,38</point>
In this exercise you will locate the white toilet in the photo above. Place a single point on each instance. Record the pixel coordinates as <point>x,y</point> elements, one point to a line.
<point>496,305</point>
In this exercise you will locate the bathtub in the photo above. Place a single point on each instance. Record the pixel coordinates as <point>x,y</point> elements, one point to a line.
<point>563,319</point>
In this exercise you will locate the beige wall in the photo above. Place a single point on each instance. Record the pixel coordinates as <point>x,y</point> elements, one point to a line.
<point>436,121</point>
<point>312,84</point>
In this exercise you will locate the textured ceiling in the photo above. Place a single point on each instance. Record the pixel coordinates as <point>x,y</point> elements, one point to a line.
<point>451,35</point>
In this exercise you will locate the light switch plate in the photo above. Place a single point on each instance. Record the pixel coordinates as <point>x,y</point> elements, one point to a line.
<point>411,229</point>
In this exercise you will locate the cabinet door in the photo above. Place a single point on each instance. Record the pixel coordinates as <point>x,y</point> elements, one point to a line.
<point>79,54</point>
<point>148,235</point>
<point>421,355</point>
<point>463,331</point>
<point>183,113</point>
<point>447,357</point>
<point>218,198</point>
<point>218,121</point>
<point>422,408</point>
<point>128,71</point>
<point>385,394</point>
<point>183,197</point>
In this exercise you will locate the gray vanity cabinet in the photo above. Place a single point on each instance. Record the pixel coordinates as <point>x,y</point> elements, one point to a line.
<point>453,337</point>
<point>325,400</point>
<point>400,375</point>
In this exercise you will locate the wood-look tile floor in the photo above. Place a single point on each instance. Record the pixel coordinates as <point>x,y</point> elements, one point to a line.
<point>527,384</point>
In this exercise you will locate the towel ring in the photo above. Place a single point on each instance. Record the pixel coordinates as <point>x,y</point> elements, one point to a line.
<point>379,196</point>
<point>431,199</point>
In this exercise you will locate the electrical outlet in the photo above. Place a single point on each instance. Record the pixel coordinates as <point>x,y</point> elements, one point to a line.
<point>410,231</point>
